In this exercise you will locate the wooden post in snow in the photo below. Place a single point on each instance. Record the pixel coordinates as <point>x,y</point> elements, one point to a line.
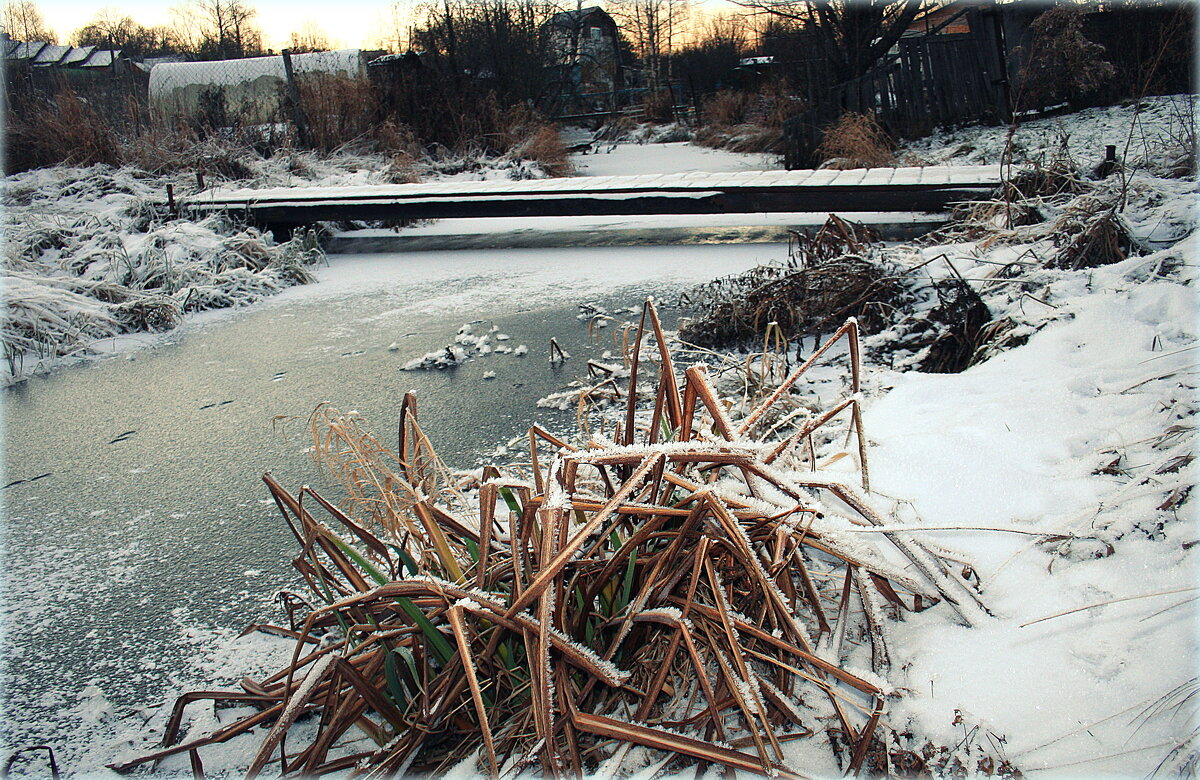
<point>298,117</point>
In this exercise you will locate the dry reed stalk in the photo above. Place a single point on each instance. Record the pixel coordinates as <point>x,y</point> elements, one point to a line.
<point>338,110</point>
<point>857,141</point>
<point>830,275</point>
<point>661,592</point>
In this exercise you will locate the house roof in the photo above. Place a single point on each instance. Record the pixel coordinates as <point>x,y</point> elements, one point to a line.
<point>51,54</point>
<point>27,50</point>
<point>576,18</point>
<point>102,58</point>
<point>934,16</point>
<point>44,55</point>
<point>76,56</point>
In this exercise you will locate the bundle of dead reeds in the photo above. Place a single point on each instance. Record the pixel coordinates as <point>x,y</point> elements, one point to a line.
<point>831,274</point>
<point>857,141</point>
<point>1089,235</point>
<point>681,586</point>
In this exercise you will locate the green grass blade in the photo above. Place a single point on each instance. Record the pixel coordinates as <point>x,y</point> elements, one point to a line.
<point>510,499</point>
<point>627,585</point>
<point>409,562</point>
<point>395,686</point>
<point>437,640</point>
<point>362,562</point>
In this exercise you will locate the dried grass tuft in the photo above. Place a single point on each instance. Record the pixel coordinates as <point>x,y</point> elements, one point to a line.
<point>728,107</point>
<point>160,150</point>
<point>524,135</point>
<point>830,275</point>
<point>658,106</point>
<point>544,146</point>
<point>747,121</point>
<point>957,324</point>
<point>1087,239</point>
<point>857,141</point>
<point>63,131</point>
<point>1043,181</point>
<point>678,587</point>
<point>338,110</point>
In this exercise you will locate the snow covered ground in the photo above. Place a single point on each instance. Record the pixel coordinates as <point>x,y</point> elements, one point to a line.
<point>1083,434</point>
<point>1139,131</point>
<point>1067,460</point>
<point>627,158</point>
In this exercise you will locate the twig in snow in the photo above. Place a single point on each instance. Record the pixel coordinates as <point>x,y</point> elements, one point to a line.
<point>1107,602</point>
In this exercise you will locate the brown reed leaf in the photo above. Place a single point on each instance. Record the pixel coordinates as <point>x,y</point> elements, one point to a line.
<point>657,593</point>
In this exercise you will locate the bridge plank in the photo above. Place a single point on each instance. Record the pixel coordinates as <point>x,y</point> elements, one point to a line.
<point>695,192</point>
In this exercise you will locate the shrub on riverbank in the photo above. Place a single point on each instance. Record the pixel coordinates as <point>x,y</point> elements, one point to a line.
<point>90,254</point>
<point>656,590</point>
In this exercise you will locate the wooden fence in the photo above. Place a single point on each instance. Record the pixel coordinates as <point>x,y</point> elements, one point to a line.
<point>930,80</point>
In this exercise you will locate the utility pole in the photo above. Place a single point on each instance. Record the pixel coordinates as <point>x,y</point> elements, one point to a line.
<point>294,93</point>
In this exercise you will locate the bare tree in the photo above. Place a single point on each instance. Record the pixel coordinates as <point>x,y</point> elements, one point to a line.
<point>310,37</point>
<point>1060,63</point>
<point>218,29</point>
<point>709,59</point>
<point>24,22</point>
<point>855,34</point>
<point>655,27</point>
<point>393,27</point>
<point>109,29</point>
<point>499,45</point>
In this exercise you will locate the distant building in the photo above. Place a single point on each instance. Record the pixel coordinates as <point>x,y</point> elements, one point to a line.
<point>250,90</point>
<point>39,54</point>
<point>584,46</point>
<point>948,19</point>
<point>36,72</point>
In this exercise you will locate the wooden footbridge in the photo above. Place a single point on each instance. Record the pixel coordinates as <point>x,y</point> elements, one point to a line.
<point>927,189</point>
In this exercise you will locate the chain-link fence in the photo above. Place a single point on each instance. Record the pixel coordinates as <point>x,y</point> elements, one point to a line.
<point>256,91</point>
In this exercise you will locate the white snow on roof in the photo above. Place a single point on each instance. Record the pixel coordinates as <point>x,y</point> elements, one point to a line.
<point>28,50</point>
<point>77,55</point>
<point>101,58</point>
<point>50,54</point>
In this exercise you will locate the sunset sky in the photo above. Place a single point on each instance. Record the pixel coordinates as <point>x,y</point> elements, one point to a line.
<point>352,23</point>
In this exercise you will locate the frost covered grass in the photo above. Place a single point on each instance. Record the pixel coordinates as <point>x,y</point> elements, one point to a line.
<point>833,274</point>
<point>1071,435</point>
<point>91,253</point>
<point>934,309</point>
<point>687,585</point>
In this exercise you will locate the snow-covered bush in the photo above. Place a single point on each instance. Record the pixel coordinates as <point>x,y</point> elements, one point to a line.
<point>91,253</point>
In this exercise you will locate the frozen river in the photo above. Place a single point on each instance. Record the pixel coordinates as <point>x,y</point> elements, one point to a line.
<point>151,529</point>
